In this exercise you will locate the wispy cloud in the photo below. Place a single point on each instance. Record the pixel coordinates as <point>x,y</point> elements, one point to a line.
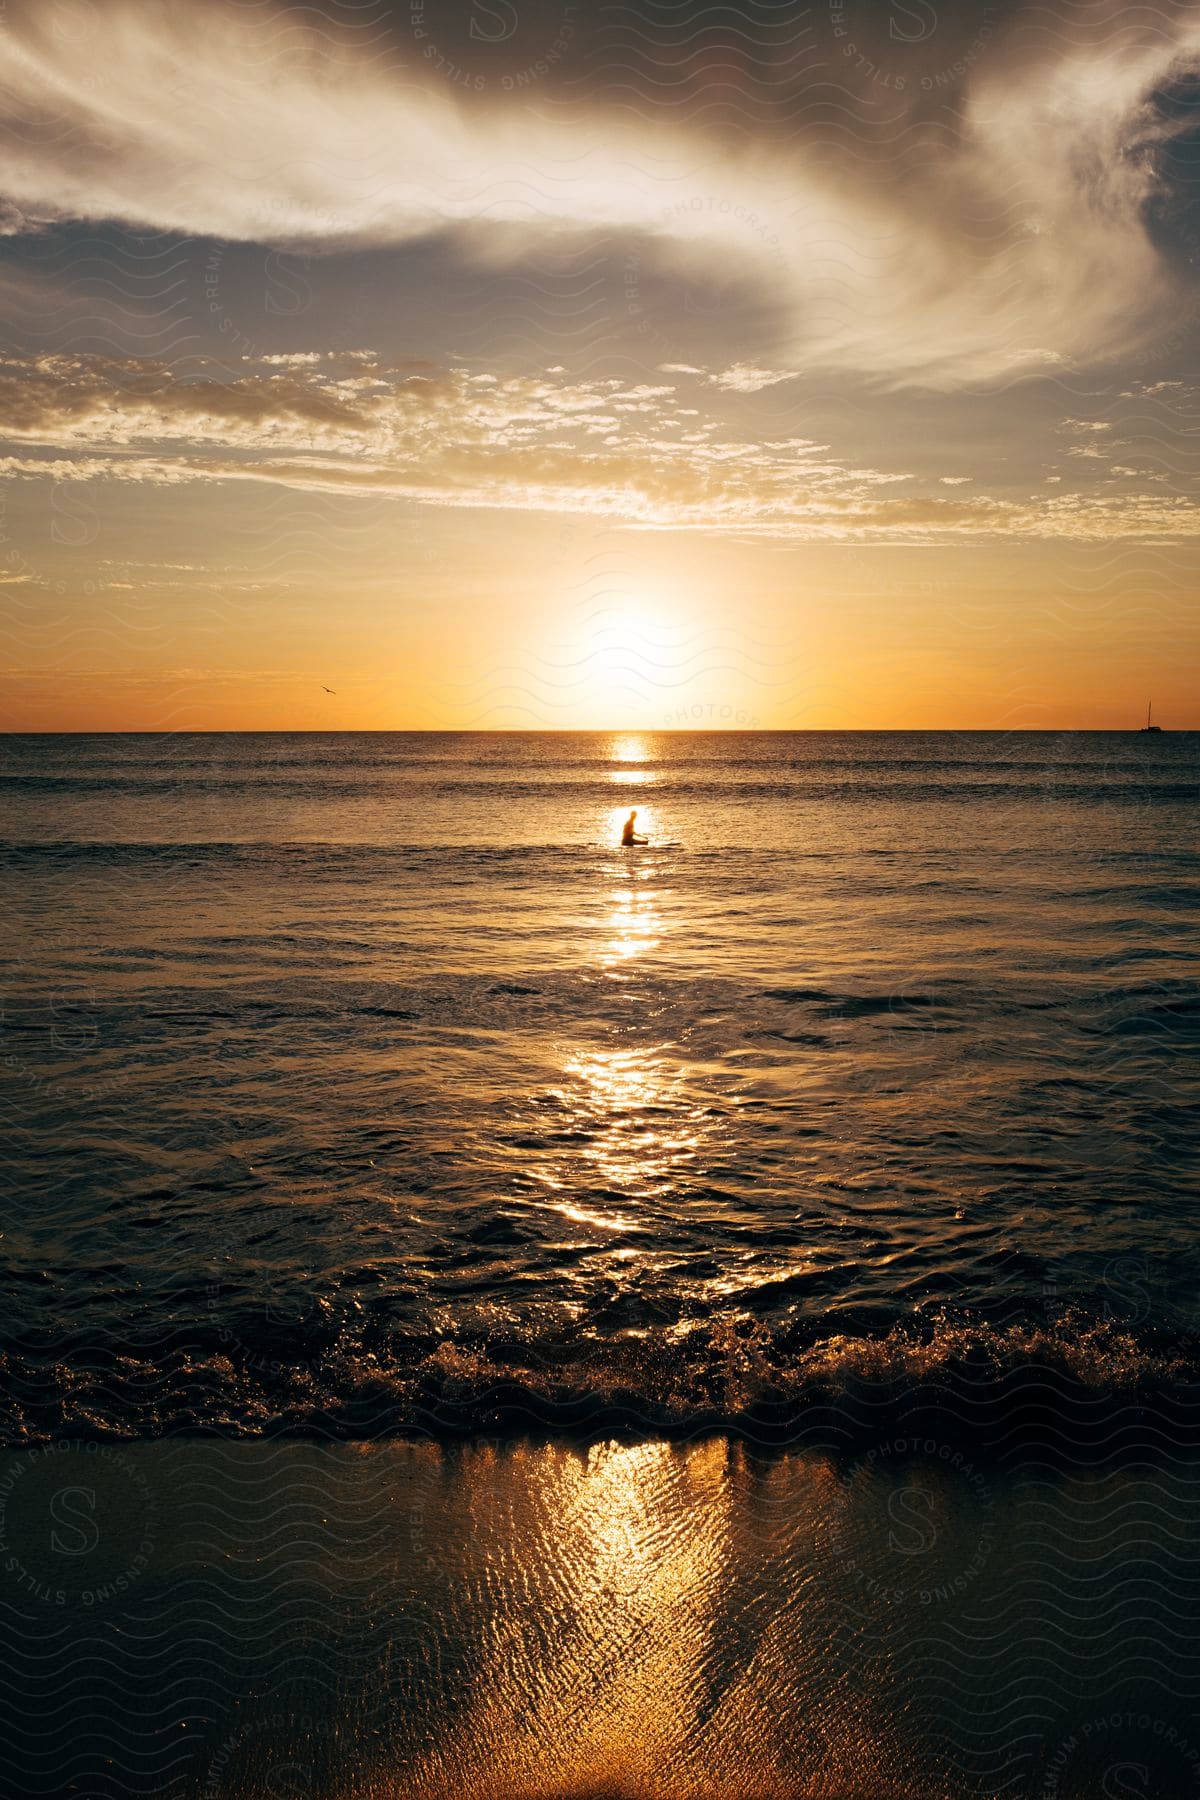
<point>1014,244</point>
<point>454,437</point>
<point>747,378</point>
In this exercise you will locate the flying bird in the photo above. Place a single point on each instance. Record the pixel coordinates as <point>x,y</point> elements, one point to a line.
<point>326,690</point>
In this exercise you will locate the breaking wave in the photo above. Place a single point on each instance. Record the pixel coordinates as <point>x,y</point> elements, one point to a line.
<point>962,1379</point>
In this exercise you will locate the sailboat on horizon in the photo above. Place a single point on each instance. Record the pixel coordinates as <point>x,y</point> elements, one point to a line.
<point>1148,726</point>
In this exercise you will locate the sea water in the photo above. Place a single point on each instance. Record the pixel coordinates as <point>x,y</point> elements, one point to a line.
<point>363,1081</point>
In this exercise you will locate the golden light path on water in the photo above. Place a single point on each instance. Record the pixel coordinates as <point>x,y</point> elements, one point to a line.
<point>634,914</point>
<point>631,754</point>
<point>635,1129</point>
<point>652,1625</point>
<point>635,1133</point>
<point>634,922</point>
<point>639,1124</point>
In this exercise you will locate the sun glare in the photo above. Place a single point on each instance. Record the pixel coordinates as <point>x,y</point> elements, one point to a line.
<point>622,653</point>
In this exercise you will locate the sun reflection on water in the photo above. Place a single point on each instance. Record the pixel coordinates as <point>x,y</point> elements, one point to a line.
<point>640,1136</point>
<point>633,753</point>
<point>580,1215</point>
<point>629,1131</point>
<point>633,925</point>
<point>650,1619</point>
<point>608,1589</point>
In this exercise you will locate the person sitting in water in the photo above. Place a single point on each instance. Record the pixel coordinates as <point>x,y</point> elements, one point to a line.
<point>629,835</point>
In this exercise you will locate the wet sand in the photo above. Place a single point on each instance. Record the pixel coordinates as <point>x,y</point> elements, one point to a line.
<point>630,1619</point>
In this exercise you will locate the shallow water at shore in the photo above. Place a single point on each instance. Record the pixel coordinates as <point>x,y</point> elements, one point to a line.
<point>620,1620</point>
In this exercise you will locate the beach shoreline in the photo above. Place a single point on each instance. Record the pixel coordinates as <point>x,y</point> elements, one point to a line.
<point>539,1618</point>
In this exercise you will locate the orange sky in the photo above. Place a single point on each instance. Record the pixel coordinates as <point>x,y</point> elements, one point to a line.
<point>512,404</point>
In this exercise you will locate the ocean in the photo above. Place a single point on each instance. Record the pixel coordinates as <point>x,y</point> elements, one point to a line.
<point>362,1085</point>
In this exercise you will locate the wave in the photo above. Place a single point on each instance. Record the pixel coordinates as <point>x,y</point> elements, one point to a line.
<point>264,767</point>
<point>1065,1382</point>
<point>525,786</point>
<point>323,851</point>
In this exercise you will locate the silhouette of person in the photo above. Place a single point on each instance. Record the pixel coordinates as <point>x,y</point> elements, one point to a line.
<point>629,835</point>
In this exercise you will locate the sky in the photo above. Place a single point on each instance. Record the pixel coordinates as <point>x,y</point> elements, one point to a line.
<point>495,364</point>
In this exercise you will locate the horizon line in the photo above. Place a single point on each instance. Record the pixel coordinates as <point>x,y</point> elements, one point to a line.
<point>582,730</point>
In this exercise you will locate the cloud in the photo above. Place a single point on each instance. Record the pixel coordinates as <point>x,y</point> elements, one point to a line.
<point>1006,239</point>
<point>626,451</point>
<point>15,223</point>
<point>120,400</point>
<point>747,378</point>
